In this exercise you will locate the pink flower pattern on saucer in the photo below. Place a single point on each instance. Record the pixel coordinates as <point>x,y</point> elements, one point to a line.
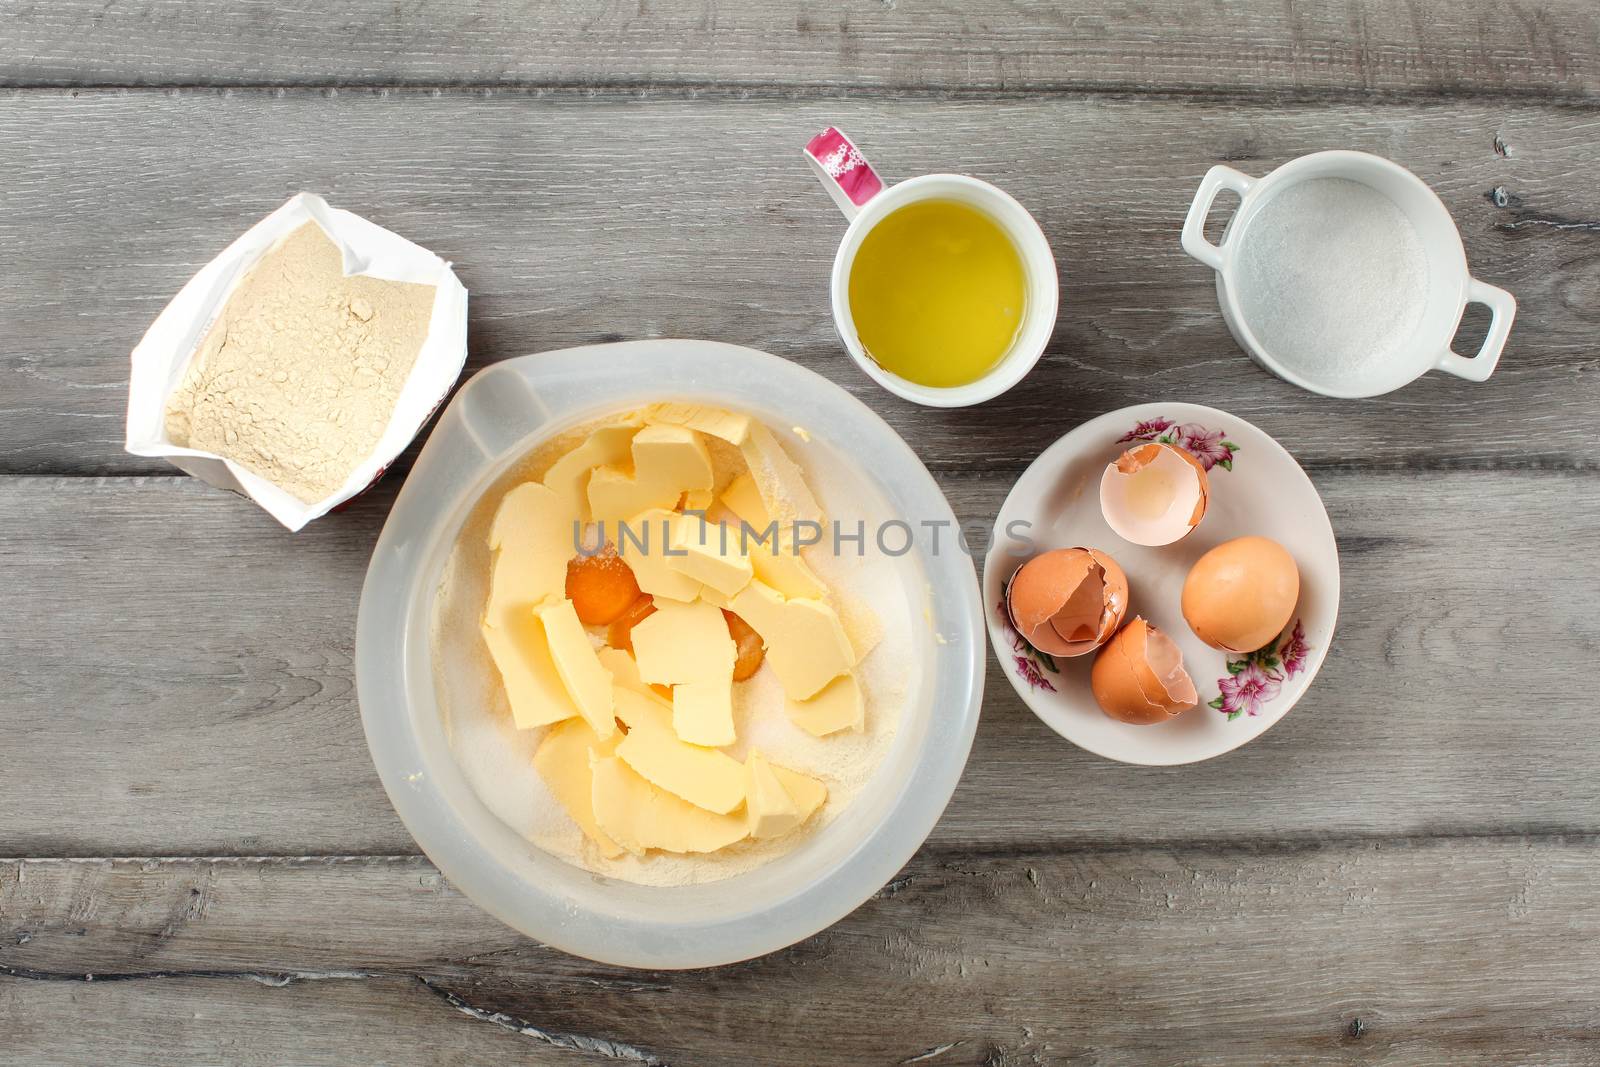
<point>1211,447</point>
<point>1030,662</point>
<point>1255,678</point>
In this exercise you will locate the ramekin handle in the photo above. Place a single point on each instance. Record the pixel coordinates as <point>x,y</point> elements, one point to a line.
<point>1216,180</point>
<point>1502,310</point>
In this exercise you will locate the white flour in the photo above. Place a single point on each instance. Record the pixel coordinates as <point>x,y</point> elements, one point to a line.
<point>298,376</point>
<point>1331,277</point>
<point>497,759</point>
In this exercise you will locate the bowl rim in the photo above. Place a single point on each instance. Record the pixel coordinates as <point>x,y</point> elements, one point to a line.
<point>386,642</point>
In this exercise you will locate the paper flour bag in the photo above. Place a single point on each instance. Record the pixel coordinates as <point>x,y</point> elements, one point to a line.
<point>297,416</point>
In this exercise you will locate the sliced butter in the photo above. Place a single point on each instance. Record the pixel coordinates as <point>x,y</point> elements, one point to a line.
<point>683,643</point>
<point>772,553</point>
<point>625,673</point>
<point>714,598</point>
<point>709,554</point>
<point>644,544</point>
<point>734,429</point>
<point>639,816</point>
<point>744,500</point>
<point>667,462</point>
<point>586,681</point>
<point>839,706</point>
<point>805,642</point>
<point>532,538</point>
<point>614,494</point>
<point>533,687</point>
<point>779,479</point>
<point>778,799</point>
<point>568,477</point>
<point>786,572</point>
<point>704,777</point>
<point>702,711</point>
<point>563,762</point>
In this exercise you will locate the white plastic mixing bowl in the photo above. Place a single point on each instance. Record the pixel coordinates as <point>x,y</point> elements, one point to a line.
<point>498,417</point>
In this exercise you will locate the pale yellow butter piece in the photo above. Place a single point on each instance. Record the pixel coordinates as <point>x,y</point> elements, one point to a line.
<point>532,538</point>
<point>808,793</point>
<point>643,543</point>
<point>778,799</point>
<point>568,477</point>
<point>683,643</point>
<point>563,761</point>
<point>744,500</point>
<point>533,687</point>
<point>614,494</point>
<point>727,425</point>
<point>714,598</point>
<point>839,706</point>
<point>639,816</point>
<point>782,484</point>
<point>703,776</point>
<point>709,553</point>
<point>860,624</point>
<point>805,642</point>
<point>625,673</point>
<point>773,556</point>
<point>667,462</point>
<point>586,681</point>
<point>698,500</point>
<point>672,455</point>
<point>702,711</point>
<point>786,572</point>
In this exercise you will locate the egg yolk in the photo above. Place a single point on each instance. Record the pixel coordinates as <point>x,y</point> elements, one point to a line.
<point>601,588</point>
<point>748,644</point>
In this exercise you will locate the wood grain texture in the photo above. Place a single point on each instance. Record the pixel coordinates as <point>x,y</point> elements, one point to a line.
<point>1450,952</point>
<point>1550,48</point>
<point>575,219</point>
<point>182,682</point>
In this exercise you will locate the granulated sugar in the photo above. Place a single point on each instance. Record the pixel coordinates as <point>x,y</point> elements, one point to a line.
<point>1331,278</point>
<point>298,376</point>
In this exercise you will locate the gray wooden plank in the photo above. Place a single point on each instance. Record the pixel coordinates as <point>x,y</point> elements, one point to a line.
<point>577,219</point>
<point>1447,952</point>
<point>243,1023</point>
<point>179,681</point>
<point>1549,48</point>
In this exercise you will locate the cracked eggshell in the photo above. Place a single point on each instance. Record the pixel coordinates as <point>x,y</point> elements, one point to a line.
<point>1241,594</point>
<point>1154,494</point>
<point>1139,678</point>
<point>1066,602</point>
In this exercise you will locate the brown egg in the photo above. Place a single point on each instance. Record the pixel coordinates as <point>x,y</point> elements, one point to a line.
<point>1154,494</point>
<point>1066,602</point>
<point>1241,594</point>
<point>1139,678</point>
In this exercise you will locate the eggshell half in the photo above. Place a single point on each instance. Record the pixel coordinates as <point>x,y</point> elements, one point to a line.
<point>1139,678</point>
<point>1154,494</point>
<point>1066,602</point>
<point>1241,594</point>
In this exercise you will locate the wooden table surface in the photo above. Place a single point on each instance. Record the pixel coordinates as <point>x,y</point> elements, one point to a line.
<point>197,862</point>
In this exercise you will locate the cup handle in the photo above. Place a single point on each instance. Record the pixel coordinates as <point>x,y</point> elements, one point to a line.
<point>1217,179</point>
<point>1502,310</point>
<point>843,171</point>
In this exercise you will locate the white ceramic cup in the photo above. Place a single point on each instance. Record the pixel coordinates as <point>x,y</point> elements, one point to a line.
<point>866,201</point>
<point>1450,287</point>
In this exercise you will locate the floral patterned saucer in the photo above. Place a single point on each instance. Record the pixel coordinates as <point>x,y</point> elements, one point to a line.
<point>1256,488</point>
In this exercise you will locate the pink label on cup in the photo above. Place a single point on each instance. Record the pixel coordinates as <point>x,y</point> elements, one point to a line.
<point>840,162</point>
